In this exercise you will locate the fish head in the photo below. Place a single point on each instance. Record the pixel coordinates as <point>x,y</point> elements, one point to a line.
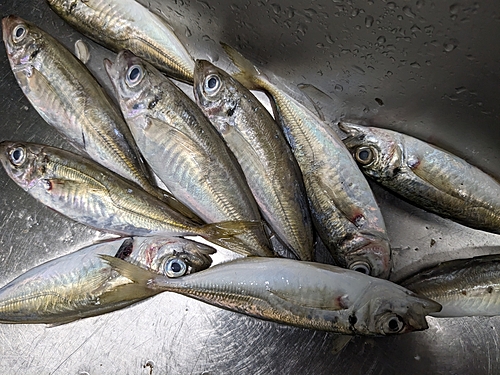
<point>392,309</point>
<point>19,160</point>
<point>368,253</point>
<point>171,256</point>
<point>135,83</point>
<point>23,41</point>
<point>216,93</point>
<point>377,152</point>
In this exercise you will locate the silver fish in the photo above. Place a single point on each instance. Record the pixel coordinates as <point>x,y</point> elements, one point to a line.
<point>183,148</point>
<point>81,284</point>
<point>90,194</point>
<point>69,98</point>
<point>127,24</point>
<point>343,208</point>
<point>261,149</point>
<point>427,176</point>
<point>464,287</point>
<point>303,294</point>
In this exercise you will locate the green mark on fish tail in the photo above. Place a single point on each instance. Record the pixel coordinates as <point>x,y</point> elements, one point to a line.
<point>248,74</point>
<point>223,233</point>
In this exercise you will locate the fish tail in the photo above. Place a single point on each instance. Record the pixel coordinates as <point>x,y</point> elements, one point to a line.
<point>248,75</point>
<point>224,233</point>
<point>131,271</point>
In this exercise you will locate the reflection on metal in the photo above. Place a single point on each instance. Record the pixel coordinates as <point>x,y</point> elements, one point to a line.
<point>441,94</point>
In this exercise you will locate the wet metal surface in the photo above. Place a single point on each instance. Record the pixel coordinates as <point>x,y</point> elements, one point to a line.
<point>427,68</point>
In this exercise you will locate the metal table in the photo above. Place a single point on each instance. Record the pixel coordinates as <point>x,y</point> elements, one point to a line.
<point>427,68</point>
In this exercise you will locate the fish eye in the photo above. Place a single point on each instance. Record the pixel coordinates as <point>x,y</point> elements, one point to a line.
<point>19,33</point>
<point>175,267</point>
<point>394,324</point>
<point>365,155</point>
<point>134,75</point>
<point>17,156</point>
<point>212,84</point>
<point>361,266</point>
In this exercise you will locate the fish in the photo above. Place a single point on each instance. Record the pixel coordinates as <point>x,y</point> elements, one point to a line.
<point>88,193</point>
<point>183,149</point>
<point>81,284</point>
<point>69,98</point>
<point>298,293</point>
<point>427,176</point>
<point>127,24</point>
<point>344,210</point>
<point>464,287</point>
<point>261,149</point>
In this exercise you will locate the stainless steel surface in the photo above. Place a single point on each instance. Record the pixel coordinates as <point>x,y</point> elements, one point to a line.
<point>433,65</point>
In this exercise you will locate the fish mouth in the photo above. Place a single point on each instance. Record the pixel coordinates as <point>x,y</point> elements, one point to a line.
<point>370,254</point>
<point>355,134</point>
<point>418,311</point>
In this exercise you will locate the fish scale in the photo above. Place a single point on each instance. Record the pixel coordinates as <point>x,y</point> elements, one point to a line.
<point>302,294</point>
<point>80,284</point>
<point>127,24</point>
<point>337,192</point>
<point>184,150</point>
<point>428,176</point>
<point>259,146</point>
<point>464,287</point>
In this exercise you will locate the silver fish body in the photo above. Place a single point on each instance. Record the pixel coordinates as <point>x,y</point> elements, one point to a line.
<point>81,284</point>
<point>303,294</point>
<point>70,99</point>
<point>127,24</point>
<point>464,287</point>
<point>343,207</point>
<point>261,149</point>
<point>427,176</point>
<point>90,194</point>
<point>183,148</point>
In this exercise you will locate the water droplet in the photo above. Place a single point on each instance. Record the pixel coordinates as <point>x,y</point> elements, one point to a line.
<point>338,88</point>
<point>368,21</point>
<point>448,47</point>
<point>415,65</point>
<point>355,12</point>
<point>381,39</point>
<point>391,5</point>
<point>408,12</point>
<point>389,73</point>
<point>329,39</point>
<point>188,32</point>
<point>320,45</point>
<point>302,29</point>
<point>454,8</point>
<point>358,69</point>
<point>420,3</point>
<point>460,90</point>
<point>379,101</point>
<point>276,8</point>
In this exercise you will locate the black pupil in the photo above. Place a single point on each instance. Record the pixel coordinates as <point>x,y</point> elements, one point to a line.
<point>394,324</point>
<point>17,155</point>
<point>134,73</point>
<point>364,154</point>
<point>212,82</point>
<point>19,31</point>
<point>176,267</point>
<point>361,269</point>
